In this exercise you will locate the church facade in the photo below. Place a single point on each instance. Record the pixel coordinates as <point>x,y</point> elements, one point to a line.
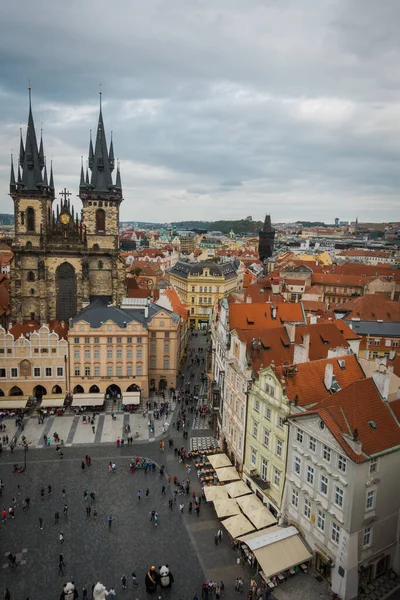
<point>63,261</point>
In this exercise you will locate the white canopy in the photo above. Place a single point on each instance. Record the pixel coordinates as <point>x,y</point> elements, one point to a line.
<point>238,525</point>
<point>55,400</point>
<point>219,460</point>
<point>227,474</point>
<point>226,508</point>
<point>8,402</point>
<point>131,398</point>
<point>215,492</point>
<point>88,400</point>
<point>237,488</point>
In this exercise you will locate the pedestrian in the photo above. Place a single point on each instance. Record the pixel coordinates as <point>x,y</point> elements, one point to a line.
<point>110,519</point>
<point>61,537</point>
<point>85,495</point>
<point>153,512</point>
<point>63,492</point>
<point>181,507</point>
<point>65,511</point>
<point>170,504</point>
<point>216,539</point>
<point>93,429</point>
<point>84,594</point>
<point>88,511</point>
<point>220,534</point>
<point>3,515</point>
<point>118,443</point>
<point>42,493</point>
<point>61,565</point>
<point>222,587</point>
<point>7,595</point>
<point>94,513</point>
<point>217,592</point>
<point>156,519</point>
<point>139,495</point>
<point>41,522</point>
<point>147,492</point>
<point>111,594</point>
<point>123,581</point>
<point>83,465</point>
<point>163,491</point>
<point>56,517</point>
<point>197,509</point>
<point>190,508</point>
<point>134,578</point>
<point>92,496</point>
<point>49,490</point>
<point>11,512</point>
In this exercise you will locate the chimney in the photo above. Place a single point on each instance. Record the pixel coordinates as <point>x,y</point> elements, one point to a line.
<point>248,299</point>
<point>273,312</point>
<point>382,381</point>
<point>328,376</point>
<point>291,331</point>
<point>306,344</point>
<point>146,312</point>
<point>301,351</point>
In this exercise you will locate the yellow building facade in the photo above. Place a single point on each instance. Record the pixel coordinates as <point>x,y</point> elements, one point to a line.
<point>200,286</point>
<point>264,466</point>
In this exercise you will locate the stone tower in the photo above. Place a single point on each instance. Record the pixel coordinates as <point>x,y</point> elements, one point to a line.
<point>60,262</point>
<point>266,239</point>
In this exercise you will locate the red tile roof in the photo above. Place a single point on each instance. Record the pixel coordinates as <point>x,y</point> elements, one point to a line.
<point>358,408</point>
<point>313,306</point>
<point>176,303</point>
<point>339,279</point>
<point>255,316</point>
<point>307,383</point>
<point>371,307</point>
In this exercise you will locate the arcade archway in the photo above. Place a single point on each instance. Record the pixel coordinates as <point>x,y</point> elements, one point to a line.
<point>39,391</point>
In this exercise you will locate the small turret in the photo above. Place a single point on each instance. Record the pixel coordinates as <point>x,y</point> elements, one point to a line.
<point>51,185</point>
<point>111,156</point>
<point>118,184</point>
<point>91,153</point>
<point>12,176</point>
<point>45,180</point>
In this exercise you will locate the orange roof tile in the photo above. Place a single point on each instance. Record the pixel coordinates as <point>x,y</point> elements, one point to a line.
<point>313,306</point>
<point>339,279</point>
<point>394,364</point>
<point>255,316</point>
<point>308,381</point>
<point>176,303</point>
<point>371,307</point>
<point>345,330</point>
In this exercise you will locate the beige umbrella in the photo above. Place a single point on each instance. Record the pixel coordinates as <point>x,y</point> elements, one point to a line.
<point>219,460</point>
<point>238,525</point>
<point>249,503</point>
<point>215,492</point>
<point>226,508</point>
<point>261,517</point>
<point>237,488</point>
<point>227,474</point>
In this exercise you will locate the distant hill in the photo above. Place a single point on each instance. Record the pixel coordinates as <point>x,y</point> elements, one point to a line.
<point>6,219</point>
<point>242,226</point>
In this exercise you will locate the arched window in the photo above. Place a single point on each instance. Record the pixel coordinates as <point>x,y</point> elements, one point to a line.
<point>96,247</point>
<point>31,276</point>
<point>28,245</point>
<point>32,292</point>
<point>100,220</point>
<point>100,264</point>
<point>30,219</point>
<point>78,389</point>
<point>66,290</point>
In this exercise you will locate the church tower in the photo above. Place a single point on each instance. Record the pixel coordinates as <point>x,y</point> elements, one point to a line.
<point>60,262</point>
<point>266,239</point>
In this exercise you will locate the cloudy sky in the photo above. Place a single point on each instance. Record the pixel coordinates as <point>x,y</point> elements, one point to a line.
<point>219,108</point>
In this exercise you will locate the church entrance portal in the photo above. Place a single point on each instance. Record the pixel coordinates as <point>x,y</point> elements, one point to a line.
<point>66,290</point>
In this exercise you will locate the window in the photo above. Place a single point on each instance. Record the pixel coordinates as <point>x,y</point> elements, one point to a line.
<point>60,371</point>
<point>338,496</point>
<point>139,370</point>
<point>264,469</point>
<point>109,340</point>
<point>109,371</point>
<point>109,354</point>
<point>257,405</point>
<point>253,457</point>
<point>310,475</point>
<point>321,520</point>
<point>166,348</point>
<point>209,300</point>
<point>97,371</point>
<point>373,466</point>
<point>139,353</point>
<point>193,290</point>
<point>217,289</point>
<point>87,371</point>
<point>153,363</point>
<point>153,334</point>
<point>326,454</point>
<point>87,340</point>
<point>166,363</point>
<point>323,485</point>
<point>241,413</point>
<point>297,465</point>
<point>281,421</point>
<point>268,414</point>
<point>129,353</point>
<point>335,532</point>
<point>96,353</point>
<point>36,372</point>
<point>119,353</point>
<point>266,438</point>
<point>201,289</point>
<point>295,498</point>
<point>342,463</point>
<point>370,503</point>
<point>299,435</point>
<point>277,477</point>
<point>367,537</point>
<point>153,348</point>
<point>129,340</point>
<point>255,429</point>
<point>312,444</point>
<point>77,372</point>
<point>377,342</point>
<point>30,219</point>
<point>279,448</point>
<point>31,276</point>
<point>307,508</point>
<point>76,340</point>
<point>96,340</point>
<point>138,339</point>
<point>129,370</point>
<point>100,221</point>
<point>119,340</point>
<point>119,371</point>
<point>87,354</point>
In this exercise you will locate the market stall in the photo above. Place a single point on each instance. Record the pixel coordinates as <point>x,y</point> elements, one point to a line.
<point>226,508</point>
<point>131,401</point>
<point>238,525</point>
<point>227,474</point>
<point>219,460</point>
<point>12,403</point>
<point>215,492</point>
<point>237,488</point>
<point>88,400</point>
<point>53,404</point>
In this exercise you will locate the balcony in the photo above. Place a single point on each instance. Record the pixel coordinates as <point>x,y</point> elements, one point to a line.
<point>263,485</point>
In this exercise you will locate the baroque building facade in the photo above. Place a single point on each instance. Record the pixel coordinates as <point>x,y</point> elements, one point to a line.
<point>63,261</point>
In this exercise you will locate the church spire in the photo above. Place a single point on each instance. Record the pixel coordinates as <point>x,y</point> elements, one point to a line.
<point>12,175</point>
<point>21,148</point>
<point>51,184</point>
<point>45,180</point>
<point>118,184</point>
<point>41,151</point>
<point>82,181</point>
<point>111,155</point>
<point>91,153</point>
<point>101,170</point>
<point>31,159</point>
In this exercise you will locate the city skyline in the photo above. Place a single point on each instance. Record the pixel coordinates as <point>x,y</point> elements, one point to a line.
<point>217,111</point>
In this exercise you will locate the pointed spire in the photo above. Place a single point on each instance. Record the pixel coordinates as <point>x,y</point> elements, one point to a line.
<point>111,155</point>
<point>45,180</point>
<point>12,175</point>
<point>87,176</point>
<point>51,176</point>
<point>101,171</point>
<point>19,176</point>
<point>82,182</point>
<point>32,163</point>
<point>41,152</point>
<point>21,149</point>
<point>91,153</point>
<point>118,184</point>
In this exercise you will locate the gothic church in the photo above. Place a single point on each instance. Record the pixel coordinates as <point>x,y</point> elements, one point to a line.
<point>63,261</point>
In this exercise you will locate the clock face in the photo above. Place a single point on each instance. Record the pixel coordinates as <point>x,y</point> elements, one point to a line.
<point>65,218</point>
